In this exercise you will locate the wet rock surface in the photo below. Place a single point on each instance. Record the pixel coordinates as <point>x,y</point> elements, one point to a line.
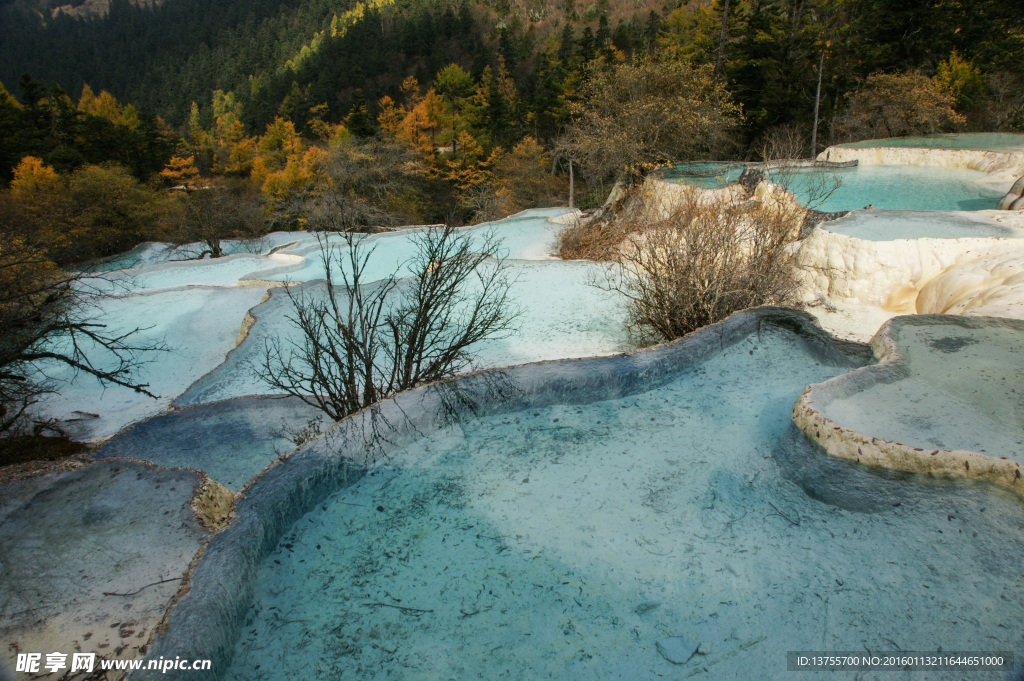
<point>90,559</point>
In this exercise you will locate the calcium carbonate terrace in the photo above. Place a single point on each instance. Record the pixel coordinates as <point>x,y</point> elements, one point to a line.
<point>890,225</point>
<point>606,508</point>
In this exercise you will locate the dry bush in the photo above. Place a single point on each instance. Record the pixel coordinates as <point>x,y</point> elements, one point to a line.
<point>214,214</point>
<point>640,116</point>
<point>49,316</point>
<point>812,187</point>
<point>784,142</point>
<point>705,261</point>
<point>897,105</point>
<point>779,148</point>
<point>360,341</point>
<point>592,239</point>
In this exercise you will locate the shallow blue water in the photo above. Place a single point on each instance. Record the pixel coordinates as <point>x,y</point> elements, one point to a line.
<point>525,236</point>
<point>706,174</point>
<point>898,187</point>
<point>960,392</point>
<point>563,543</point>
<point>894,187</point>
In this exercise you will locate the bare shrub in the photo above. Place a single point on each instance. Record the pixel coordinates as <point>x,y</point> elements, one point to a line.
<point>812,187</point>
<point>365,186</point>
<point>708,259</point>
<point>359,341</point>
<point>642,115</point>
<point>49,316</point>
<point>783,142</point>
<point>782,150</point>
<point>214,214</point>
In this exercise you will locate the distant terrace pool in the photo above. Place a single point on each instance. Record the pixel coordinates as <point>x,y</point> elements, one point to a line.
<point>894,187</point>
<point>704,174</point>
<point>983,141</point>
<point>903,187</point>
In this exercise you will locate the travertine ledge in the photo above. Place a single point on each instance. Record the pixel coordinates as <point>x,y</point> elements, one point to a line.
<point>894,365</point>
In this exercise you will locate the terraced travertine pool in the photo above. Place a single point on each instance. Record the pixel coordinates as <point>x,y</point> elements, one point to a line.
<point>177,302</point>
<point>900,187</point>
<point>984,141</point>
<point>564,542</point>
<point>963,390</point>
<point>893,187</point>
<point>704,174</point>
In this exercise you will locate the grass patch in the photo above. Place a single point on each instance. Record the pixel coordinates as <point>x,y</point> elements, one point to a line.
<point>38,448</point>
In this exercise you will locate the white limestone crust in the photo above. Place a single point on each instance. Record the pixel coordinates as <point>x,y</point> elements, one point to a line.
<point>1000,164</point>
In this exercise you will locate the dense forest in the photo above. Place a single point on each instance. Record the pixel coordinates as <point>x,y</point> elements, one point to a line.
<point>284,56</point>
<point>479,108</point>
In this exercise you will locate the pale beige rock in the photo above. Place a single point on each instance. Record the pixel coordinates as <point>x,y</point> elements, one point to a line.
<point>888,274</point>
<point>991,286</point>
<point>1002,165</point>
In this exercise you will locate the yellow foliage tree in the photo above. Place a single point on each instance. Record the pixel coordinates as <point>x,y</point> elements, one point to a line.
<point>279,143</point>
<point>235,151</point>
<point>31,176</point>
<point>8,99</point>
<point>180,171</point>
<point>199,143</point>
<point>467,171</point>
<point>420,127</point>
<point>524,173</point>
<point>391,115</point>
<point>106,106</point>
<point>283,163</point>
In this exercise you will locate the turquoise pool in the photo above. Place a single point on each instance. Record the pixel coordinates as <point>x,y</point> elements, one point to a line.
<point>706,174</point>
<point>890,225</point>
<point>564,542</point>
<point>893,187</point>
<point>897,187</point>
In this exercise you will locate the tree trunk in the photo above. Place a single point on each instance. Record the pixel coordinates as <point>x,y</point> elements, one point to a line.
<point>572,188</point>
<point>720,63</point>
<point>817,103</point>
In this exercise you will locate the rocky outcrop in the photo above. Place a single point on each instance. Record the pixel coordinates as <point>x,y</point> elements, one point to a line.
<point>891,274</point>
<point>1014,199</point>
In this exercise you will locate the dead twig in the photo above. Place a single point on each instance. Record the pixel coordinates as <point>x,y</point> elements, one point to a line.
<point>782,515</point>
<point>132,593</point>
<point>399,607</point>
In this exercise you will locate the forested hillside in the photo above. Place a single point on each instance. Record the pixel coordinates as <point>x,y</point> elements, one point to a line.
<point>453,110</point>
<point>288,55</point>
